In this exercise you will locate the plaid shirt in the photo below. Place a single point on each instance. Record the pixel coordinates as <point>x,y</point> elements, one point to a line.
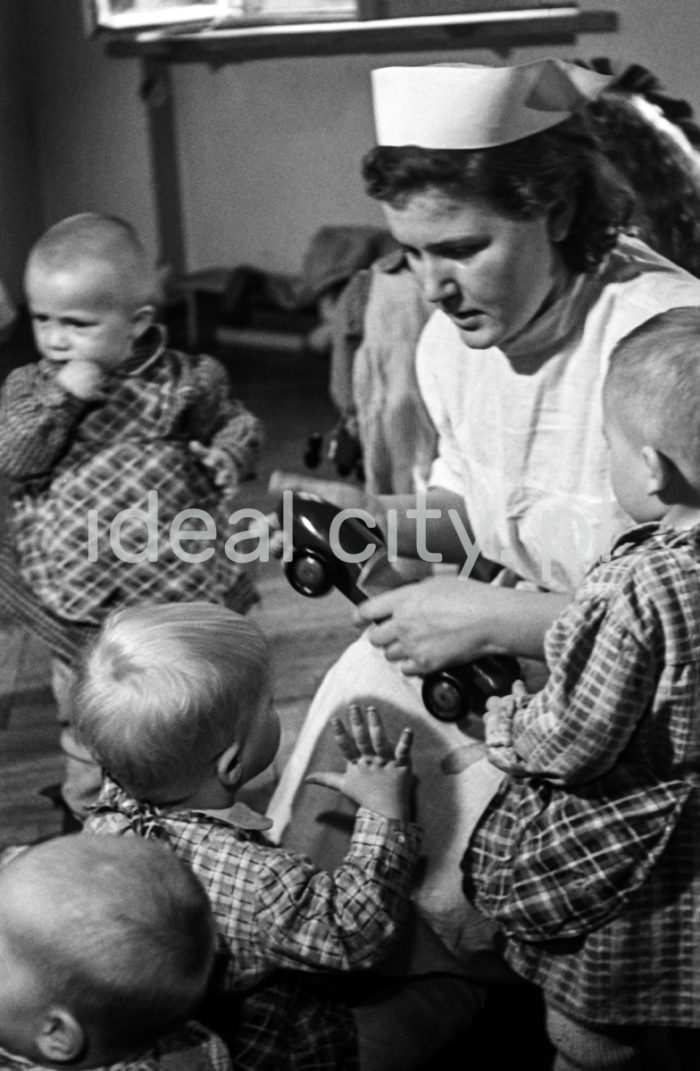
<point>594,839</point>
<point>72,460</point>
<point>288,1023</point>
<point>193,1048</point>
<point>65,639</point>
<point>275,909</point>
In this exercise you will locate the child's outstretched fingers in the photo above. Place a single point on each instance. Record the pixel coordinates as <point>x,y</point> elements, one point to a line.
<point>361,732</point>
<point>402,753</point>
<point>377,776</point>
<point>345,742</point>
<point>380,745</point>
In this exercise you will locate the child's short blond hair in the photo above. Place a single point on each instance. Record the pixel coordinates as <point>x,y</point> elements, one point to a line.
<point>164,689</point>
<point>107,247</point>
<point>654,378</point>
<point>117,930</point>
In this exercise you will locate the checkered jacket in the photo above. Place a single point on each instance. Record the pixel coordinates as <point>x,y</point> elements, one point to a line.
<point>290,1022</point>
<point>590,854</point>
<point>193,1048</point>
<point>77,465</point>
<point>275,909</point>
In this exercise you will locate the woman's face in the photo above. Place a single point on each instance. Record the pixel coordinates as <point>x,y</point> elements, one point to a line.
<point>490,273</point>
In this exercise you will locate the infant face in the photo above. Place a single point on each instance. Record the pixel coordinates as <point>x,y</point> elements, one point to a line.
<point>80,314</point>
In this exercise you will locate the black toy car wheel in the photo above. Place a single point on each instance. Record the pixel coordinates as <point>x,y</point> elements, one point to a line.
<point>309,573</point>
<point>445,696</point>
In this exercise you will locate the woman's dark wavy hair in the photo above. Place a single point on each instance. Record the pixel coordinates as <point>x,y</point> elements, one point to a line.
<point>664,176</point>
<point>524,179</point>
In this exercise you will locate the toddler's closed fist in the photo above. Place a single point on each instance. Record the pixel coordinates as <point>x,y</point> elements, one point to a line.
<point>83,379</point>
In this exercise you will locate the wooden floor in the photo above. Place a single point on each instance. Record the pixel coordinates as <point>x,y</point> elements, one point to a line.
<point>289,393</point>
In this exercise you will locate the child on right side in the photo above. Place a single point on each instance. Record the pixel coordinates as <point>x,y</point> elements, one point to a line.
<point>175,701</point>
<point>589,854</point>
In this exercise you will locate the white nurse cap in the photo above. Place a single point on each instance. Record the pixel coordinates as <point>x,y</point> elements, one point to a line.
<point>465,106</point>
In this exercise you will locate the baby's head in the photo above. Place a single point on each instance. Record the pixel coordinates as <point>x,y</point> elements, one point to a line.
<point>106,944</point>
<point>651,407</point>
<point>178,696</point>
<point>89,289</point>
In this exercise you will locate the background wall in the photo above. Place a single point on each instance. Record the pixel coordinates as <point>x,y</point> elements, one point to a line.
<point>281,151</point>
<point>269,150</point>
<point>20,216</point>
<point>91,128</point>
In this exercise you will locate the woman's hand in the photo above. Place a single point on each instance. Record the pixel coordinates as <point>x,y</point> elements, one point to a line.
<point>378,775</point>
<point>445,620</point>
<point>434,623</point>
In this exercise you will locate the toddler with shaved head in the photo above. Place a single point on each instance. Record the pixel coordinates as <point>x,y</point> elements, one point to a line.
<point>588,854</point>
<point>124,457</point>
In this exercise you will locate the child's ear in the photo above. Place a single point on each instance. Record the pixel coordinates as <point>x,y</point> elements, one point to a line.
<point>61,1039</point>
<point>142,319</point>
<point>228,766</point>
<point>660,470</point>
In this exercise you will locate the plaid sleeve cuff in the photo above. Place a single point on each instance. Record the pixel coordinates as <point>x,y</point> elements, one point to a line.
<point>396,842</point>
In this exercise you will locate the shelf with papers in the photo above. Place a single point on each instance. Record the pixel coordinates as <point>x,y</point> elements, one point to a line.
<point>498,30</point>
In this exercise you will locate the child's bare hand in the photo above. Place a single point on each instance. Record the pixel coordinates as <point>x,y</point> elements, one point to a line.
<point>377,776</point>
<point>268,528</point>
<point>220,464</point>
<point>277,537</point>
<point>498,720</point>
<point>498,728</point>
<point>83,379</point>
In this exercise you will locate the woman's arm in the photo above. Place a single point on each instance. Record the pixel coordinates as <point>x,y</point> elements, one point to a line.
<point>431,527</point>
<point>443,620</point>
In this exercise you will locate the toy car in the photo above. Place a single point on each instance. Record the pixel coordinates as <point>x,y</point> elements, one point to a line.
<point>448,694</point>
